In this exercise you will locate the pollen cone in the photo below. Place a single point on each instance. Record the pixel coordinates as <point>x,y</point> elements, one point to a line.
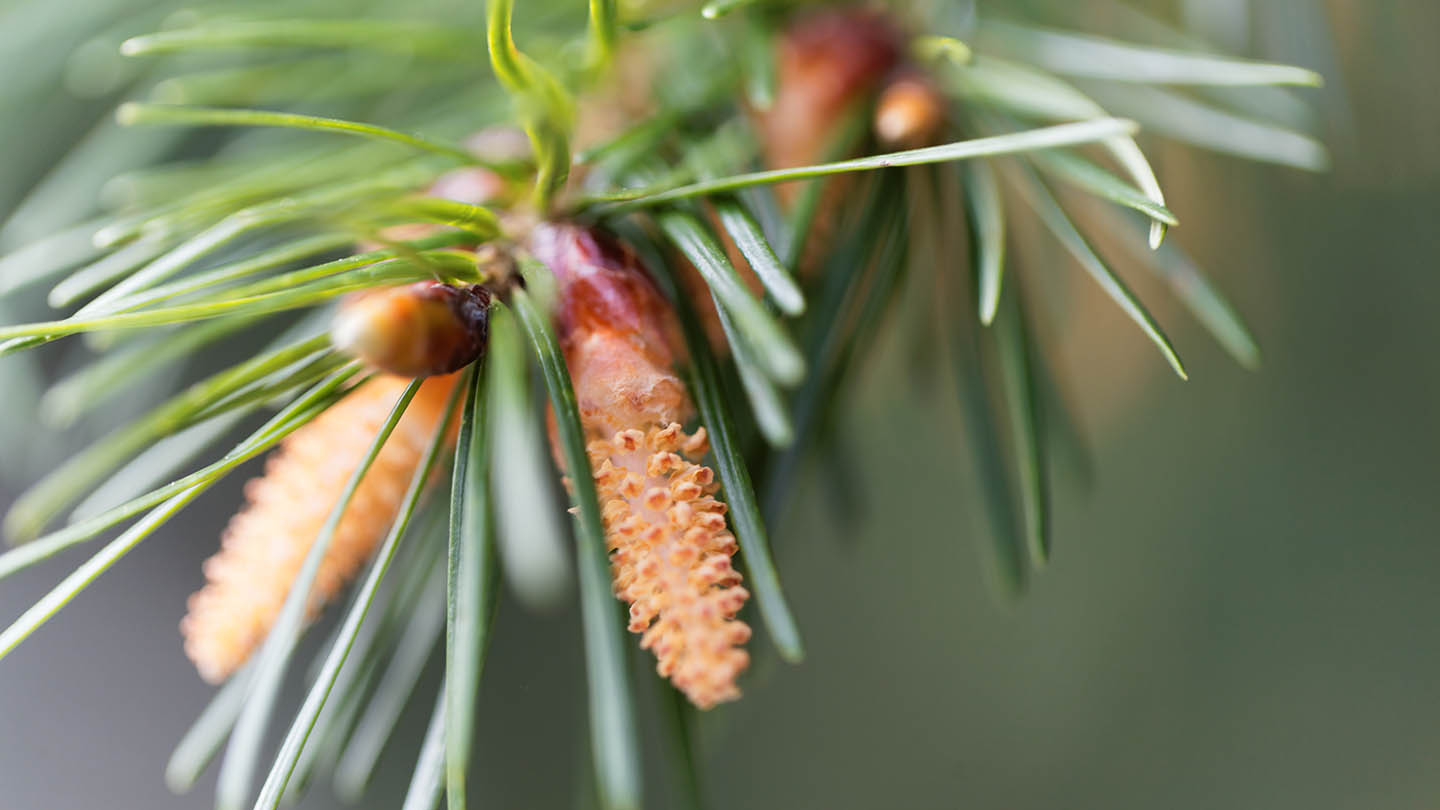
<point>670,548</point>
<point>264,545</point>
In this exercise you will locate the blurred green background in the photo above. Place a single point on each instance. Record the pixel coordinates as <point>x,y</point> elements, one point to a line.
<point>1240,608</point>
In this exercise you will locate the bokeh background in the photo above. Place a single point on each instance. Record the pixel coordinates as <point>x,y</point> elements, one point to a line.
<point>1240,611</point>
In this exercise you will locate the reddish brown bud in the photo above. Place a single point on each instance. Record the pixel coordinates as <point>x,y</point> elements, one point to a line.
<point>828,64</point>
<point>910,112</point>
<point>665,528</point>
<point>417,330</point>
<point>619,334</point>
<point>827,61</point>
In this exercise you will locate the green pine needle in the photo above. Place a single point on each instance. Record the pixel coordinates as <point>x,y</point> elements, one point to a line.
<point>1012,354</point>
<point>35,508</point>
<point>471,586</point>
<point>773,348</point>
<point>427,783</point>
<point>530,535</point>
<point>1101,58</point>
<point>761,257</point>
<point>612,723</point>
<point>988,212</point>
<point>1034,192</point>
<point>135,113</point>
<point>1042,138</point>
<point>407,37</point>
<point>739,494</point>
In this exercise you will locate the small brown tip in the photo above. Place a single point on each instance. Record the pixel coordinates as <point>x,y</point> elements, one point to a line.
<point>418,330</point>
<point>910,113</point>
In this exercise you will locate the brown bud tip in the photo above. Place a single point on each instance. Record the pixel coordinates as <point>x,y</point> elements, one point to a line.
<point>417,330</point>
<point>826,62</point>
<point>910,113</point>
<point>619,335</point>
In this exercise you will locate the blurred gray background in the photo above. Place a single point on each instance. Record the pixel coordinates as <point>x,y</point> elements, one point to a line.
<point>1240,612</point>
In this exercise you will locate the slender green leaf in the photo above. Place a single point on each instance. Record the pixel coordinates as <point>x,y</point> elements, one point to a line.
<point>1004,544</point>
<point>604,30</point>
<point>202,742</point>
<point>764,206</point>
<point>409,38</point>
<point>427,784</point>
<point>1197,292</point>
<point>42,502</point>
<point>396,684</point>
<point>96,384</point>
<point>320,202</point>
<point>739,492</point>
<point>530,535</point>
<point>375,641</point>
<point>890,261</point>
<point>332,727</point>
<point>758,253</point>
<point>848,137</point>
<point>1063,423</point>
<point>205,281</point>
<point>543,102</point>
<point>1006,549</point>
<point>1073,134</point>
<point>45,257</point>
<point>937,48</point>
<point>677,715</point>
<point>470,586</point>
<point>982,194</point>
<point>105,271</point>
<point>275,388</point>
<point>638,141</point>
<point>758,61</point>
<point>1027,91</point>
<point>423,579</point>
<point>214,189</point>
<point>765,399</point>
<point>157,464</point>
<point>16,345</point>
<point>1282,105</point>
<point>1083,174</point>
<point>773,348</point>
<point>477,220</point>
<point>613,739</point>
<point>51,603</point>
<point>511,67</point>
<point>1200,124</point>
<point>827,324</point>
<point>133,113</point>
<point>308,80</point>
<point>393,271</point>
<point>1033,190</point>
<point>1012,349</point>
<point>1095,57</point>
<point>282,424</point>
<point>882,284</point>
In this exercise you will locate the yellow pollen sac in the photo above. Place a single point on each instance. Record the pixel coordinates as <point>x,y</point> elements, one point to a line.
<point>266,543</point>
<point>671,559</point>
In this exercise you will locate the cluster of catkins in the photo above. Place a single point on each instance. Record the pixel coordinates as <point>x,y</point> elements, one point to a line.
<point>670,548</point>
